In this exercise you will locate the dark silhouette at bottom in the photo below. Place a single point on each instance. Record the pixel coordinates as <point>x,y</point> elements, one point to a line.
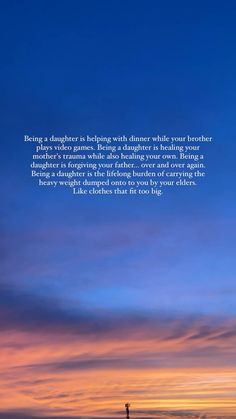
<point>127,406</point>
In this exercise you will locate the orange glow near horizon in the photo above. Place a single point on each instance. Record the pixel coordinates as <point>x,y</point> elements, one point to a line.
<point>35,376</point>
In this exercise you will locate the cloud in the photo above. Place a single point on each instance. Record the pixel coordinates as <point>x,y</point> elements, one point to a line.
<point>28,312</point>
<point>55,358</point>
<point>24,311</point>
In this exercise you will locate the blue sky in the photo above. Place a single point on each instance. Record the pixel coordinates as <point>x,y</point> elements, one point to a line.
<point>113,68</point>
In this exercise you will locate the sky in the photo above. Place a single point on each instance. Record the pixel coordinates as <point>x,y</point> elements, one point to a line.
<point>106,300</point>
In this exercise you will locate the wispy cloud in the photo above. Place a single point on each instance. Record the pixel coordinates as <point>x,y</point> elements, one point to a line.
<point>50,356</point>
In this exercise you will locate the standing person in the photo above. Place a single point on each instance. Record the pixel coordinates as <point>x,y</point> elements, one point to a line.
<point>127,406</point>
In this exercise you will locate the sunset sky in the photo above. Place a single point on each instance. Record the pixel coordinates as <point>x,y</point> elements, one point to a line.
<point>105,300</point>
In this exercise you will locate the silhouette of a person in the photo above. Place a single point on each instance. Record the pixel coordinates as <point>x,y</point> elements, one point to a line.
<point>127,405</point>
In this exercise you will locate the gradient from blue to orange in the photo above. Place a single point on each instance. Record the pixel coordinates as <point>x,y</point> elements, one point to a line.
<point>105,299</point>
